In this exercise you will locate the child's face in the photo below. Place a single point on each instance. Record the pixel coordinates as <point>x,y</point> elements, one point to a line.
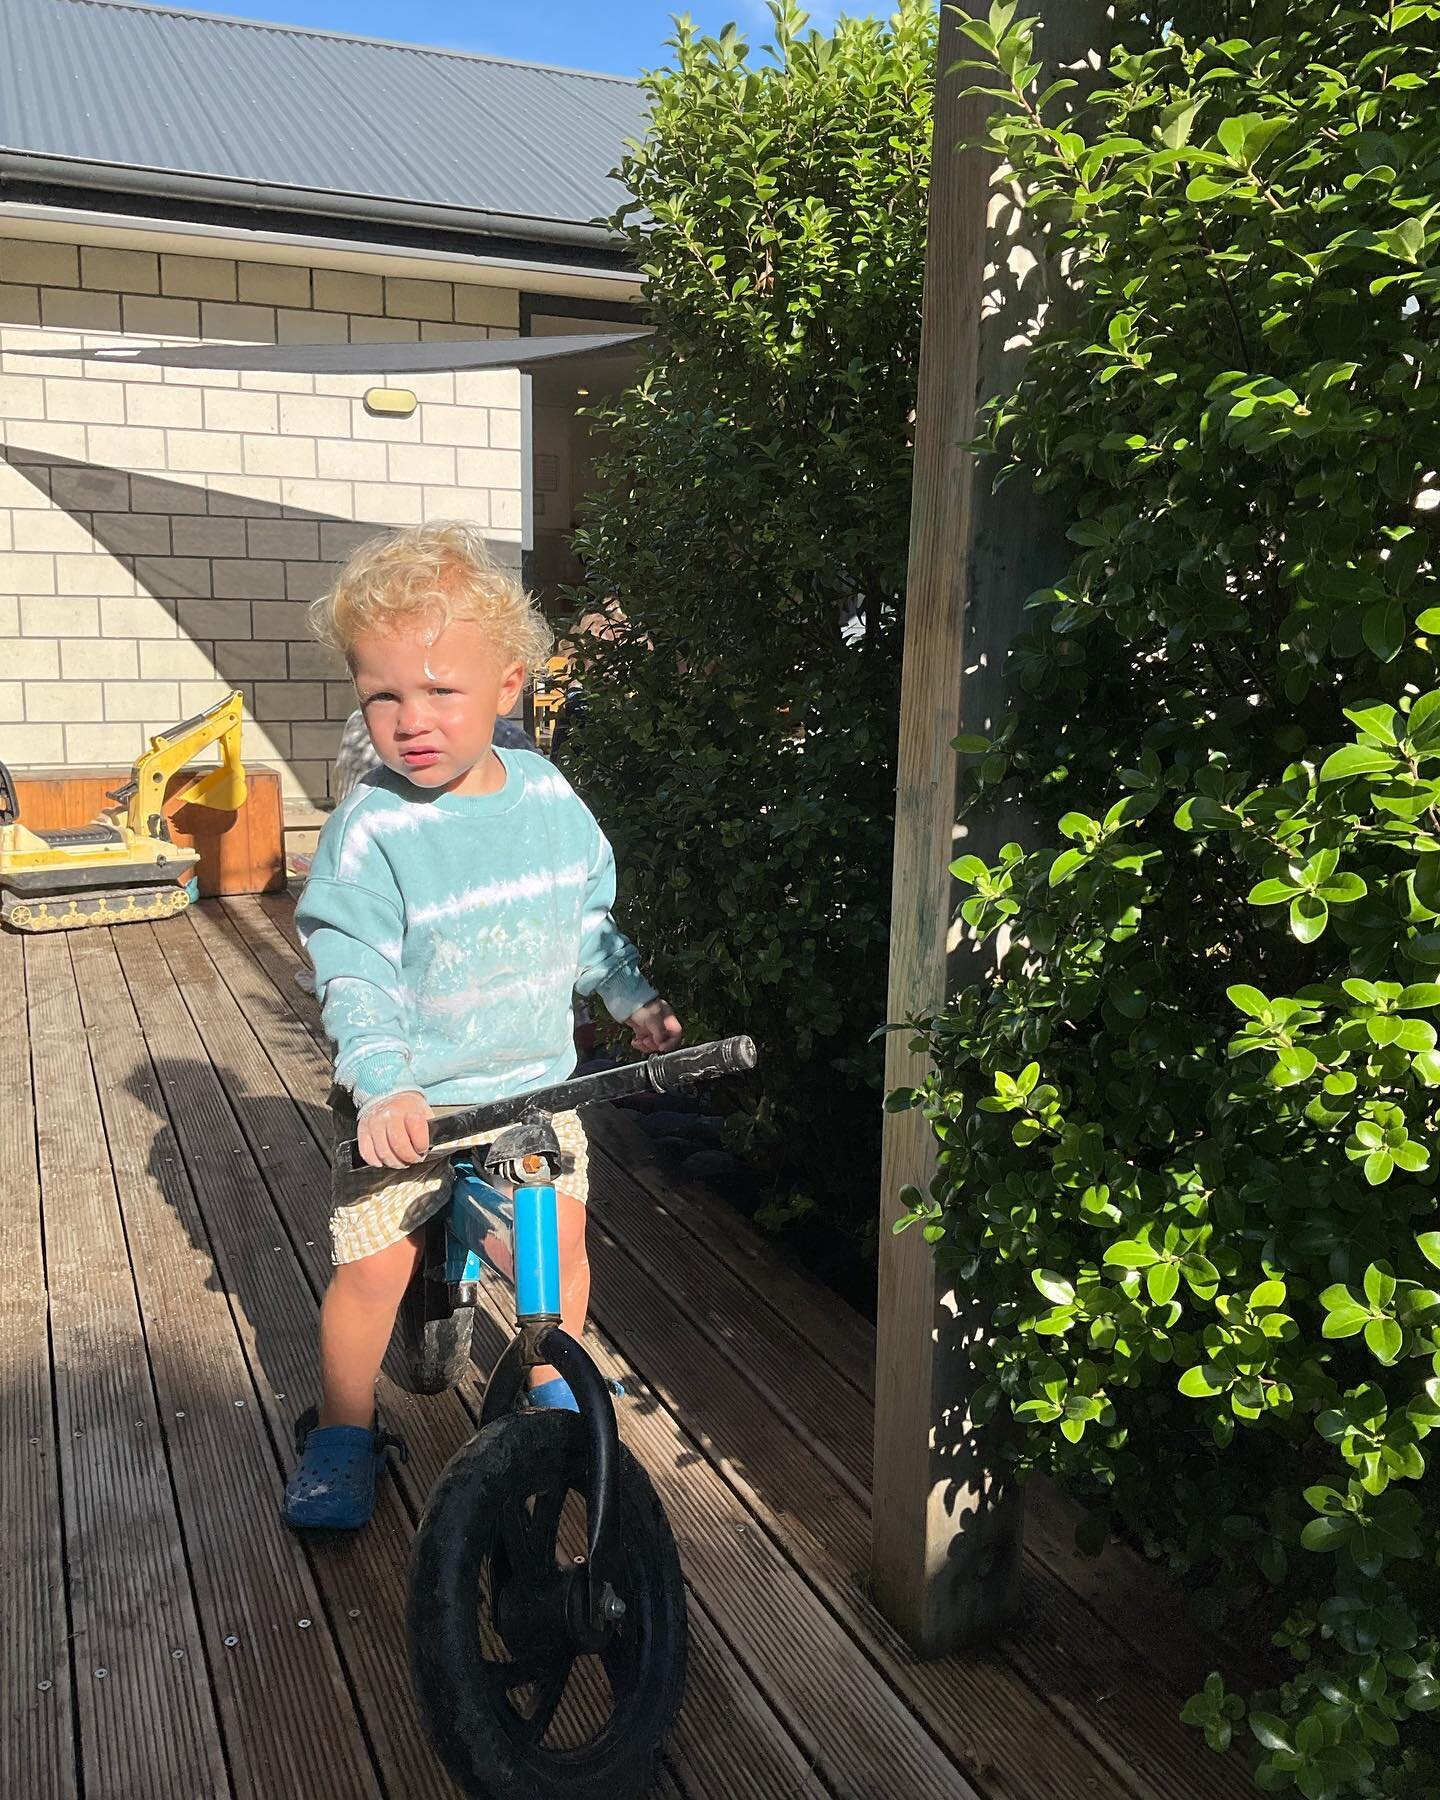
<point>431,702</point>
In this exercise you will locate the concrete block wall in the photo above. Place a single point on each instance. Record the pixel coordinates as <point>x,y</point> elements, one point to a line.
<point>162,531</point>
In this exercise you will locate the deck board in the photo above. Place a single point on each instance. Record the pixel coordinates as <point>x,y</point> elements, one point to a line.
<point>180,1085</point>
<point>252,1582</point>
<point>226,1116</point>
<point>37,1744</point>
<point>147,1718</point>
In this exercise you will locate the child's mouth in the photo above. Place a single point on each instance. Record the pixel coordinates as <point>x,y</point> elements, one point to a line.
<point>419,759</point>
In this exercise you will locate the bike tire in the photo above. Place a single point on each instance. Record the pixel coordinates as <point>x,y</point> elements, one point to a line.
<point>434,1339</point>
<point>480,1739</point>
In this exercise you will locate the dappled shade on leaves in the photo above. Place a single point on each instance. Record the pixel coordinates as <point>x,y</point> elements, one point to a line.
<point>1188,1134</point>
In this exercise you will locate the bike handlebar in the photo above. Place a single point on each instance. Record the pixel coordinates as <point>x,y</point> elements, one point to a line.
<point>658,1074</point>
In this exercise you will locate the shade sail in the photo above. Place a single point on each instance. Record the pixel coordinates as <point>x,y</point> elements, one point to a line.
<point>363,359</point>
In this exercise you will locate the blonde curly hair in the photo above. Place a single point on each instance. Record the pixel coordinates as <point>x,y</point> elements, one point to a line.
<point>432,575</point>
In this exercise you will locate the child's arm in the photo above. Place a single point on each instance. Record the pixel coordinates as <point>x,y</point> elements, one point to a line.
<point>610,963</point>
<point>353,936</point>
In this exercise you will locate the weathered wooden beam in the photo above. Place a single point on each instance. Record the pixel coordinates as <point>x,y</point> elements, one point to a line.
<point>947,1528</point>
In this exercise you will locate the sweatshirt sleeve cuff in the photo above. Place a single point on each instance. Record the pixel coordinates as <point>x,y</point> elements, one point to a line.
<point>625,992</point>
<point>376,1076</point>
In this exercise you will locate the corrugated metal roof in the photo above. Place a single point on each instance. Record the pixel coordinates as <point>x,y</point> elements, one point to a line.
<point>129,85</point>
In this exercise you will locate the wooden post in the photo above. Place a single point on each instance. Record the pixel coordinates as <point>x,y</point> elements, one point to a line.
<point>947,1528</point>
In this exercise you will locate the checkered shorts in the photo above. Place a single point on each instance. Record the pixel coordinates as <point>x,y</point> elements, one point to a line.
<point>374,1208</point>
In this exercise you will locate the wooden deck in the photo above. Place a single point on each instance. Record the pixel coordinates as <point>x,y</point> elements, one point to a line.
<point>162,1252</point>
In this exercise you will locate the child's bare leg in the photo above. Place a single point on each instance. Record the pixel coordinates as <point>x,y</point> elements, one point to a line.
<point>356,1319</point>
<point>574,1275</point>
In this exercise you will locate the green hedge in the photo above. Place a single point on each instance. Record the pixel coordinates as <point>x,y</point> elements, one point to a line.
<point>1188,1134</point>
<point>751,510</point>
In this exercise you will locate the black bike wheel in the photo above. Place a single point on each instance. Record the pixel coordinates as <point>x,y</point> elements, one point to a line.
<point>541,1722</point>
<point>434,1339</point>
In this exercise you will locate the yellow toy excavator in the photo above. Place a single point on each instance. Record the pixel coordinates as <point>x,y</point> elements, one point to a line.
<point>125,866</point>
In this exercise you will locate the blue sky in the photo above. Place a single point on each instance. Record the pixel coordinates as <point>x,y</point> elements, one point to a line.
<point>619,36</point>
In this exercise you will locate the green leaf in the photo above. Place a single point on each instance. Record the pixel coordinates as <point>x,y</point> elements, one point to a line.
<point>1345,1321</point>
<point>1355,759</point>
<point>1342,890</point>
<point>1325,1534</point>
<point>970,743</point>
<point>1205,187</point>
<point>1378,1167</point>
<point>1422,727</point>
<point>1384,629</point>
<point>1428,1244</point>
<point>1054,1287</point>
<point>1065,865</point>
<point>1309,915</point>
<point>1384,1339</point>
<point>1200,1383</point>
<point>1269,1731</point>
<point>1379,1285</point>
<point>1249,1000</point>
<point>1200,1274</point>
<point>1131,1254</point>
<point>1161,1281</point>
<point>1276,892</point>
<point>1376,722</point>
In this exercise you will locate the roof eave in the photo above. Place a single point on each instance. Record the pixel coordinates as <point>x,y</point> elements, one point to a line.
<point>211,190</point>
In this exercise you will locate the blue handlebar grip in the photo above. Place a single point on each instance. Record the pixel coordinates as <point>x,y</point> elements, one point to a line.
<point>537,1254</point>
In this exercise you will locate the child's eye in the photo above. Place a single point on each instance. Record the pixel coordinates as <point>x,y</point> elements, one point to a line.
<point>371,699</point>
<point>440,690</point>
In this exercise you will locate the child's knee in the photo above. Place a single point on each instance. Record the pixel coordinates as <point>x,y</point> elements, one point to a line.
<point>381,1278</point>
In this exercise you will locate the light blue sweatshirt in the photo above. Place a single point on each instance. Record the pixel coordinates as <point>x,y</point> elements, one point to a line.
<point>450,932</point>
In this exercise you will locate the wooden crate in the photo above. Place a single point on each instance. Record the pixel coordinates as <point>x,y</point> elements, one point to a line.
<point>240,852</point>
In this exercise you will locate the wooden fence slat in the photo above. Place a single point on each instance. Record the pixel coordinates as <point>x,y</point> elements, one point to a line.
<point>281,1688</point>
<point>148,1722</point>
<point>37,1744</point>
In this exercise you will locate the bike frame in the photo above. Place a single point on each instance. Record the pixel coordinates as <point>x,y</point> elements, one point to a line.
<point>478,1210</point>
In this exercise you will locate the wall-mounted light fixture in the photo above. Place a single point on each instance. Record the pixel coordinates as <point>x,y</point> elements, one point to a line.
<point>390,403</point>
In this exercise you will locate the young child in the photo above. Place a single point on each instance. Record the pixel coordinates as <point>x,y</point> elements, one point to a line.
<point>458,899</point>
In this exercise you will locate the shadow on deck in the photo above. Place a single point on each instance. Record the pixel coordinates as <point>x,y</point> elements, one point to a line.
<point>163,1247</point>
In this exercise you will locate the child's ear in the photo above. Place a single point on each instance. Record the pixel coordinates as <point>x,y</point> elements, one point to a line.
<point>511,683</point>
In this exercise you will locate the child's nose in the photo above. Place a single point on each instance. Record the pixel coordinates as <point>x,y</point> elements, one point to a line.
<point>411,717</point>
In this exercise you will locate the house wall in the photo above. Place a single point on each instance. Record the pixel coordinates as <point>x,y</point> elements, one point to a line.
<point>162,531</point>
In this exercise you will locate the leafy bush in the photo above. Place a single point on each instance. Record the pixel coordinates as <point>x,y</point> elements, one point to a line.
<point>751,517</point>
<point>1187,1135</point>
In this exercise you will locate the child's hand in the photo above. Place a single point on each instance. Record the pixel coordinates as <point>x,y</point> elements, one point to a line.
<point>394,1133</point>
<point>655,1027</point>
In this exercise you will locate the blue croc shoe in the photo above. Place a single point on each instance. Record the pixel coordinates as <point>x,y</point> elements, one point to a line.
<point>552,1396</point>
<point>333,1486</point>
